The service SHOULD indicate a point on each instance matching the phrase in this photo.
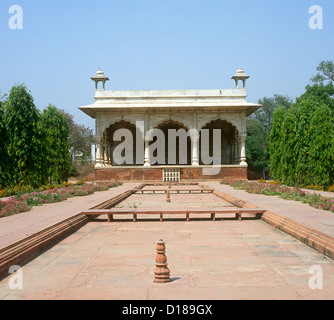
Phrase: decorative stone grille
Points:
(171, 175)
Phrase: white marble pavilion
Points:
(141, 111)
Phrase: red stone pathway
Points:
(18, 227)
(208, 260)
(319, 220)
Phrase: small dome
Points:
(240, 74)
(99, 75)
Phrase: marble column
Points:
(194, 135)
(105, 154)
(109, 154)
(243, 157)
(147, 159)
(147, 156)
(99, 160)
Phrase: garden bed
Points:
(49, 194)
(273, 188)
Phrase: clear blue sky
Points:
(160, 44)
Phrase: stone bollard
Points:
(162, 273)
(168, 197)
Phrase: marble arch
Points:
(210, 119)
(106, 122)
(180, 119)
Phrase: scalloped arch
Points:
(205, 122)
(161, 122)
(110, 123)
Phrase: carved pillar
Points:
(243, 157)
(147, 157)
(105, 154)
(109, 154)
(99, 160)
(194, 135)
(236, 159)
(195, 152)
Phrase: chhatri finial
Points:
(100, 77)
(240, 75)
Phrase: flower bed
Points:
(24, 203)
(275, 189)
(11, 207)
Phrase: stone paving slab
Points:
(208, 260)
(20, 226)
(178, 201)
(319, 220)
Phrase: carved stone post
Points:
(168, 196)
(162, 273)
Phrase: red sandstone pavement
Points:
(208, 260)
(319, 220)
(181, 200)
(18, 227)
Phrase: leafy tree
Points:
(2, 98)
(3, 148)
(323, 92)
(259, 126)
(25, 139)
(34, 146)
(302, 139)
(80, 137)
(325, 72)
(56, 152)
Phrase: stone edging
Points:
(314, 239)
(25, 250)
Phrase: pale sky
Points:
(160, 44)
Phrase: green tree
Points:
(325, 72)
(3, 148)
(325, 93)
(56, 152)
(25, 139)
(301, 143)
(259, 126)
(80, 137)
